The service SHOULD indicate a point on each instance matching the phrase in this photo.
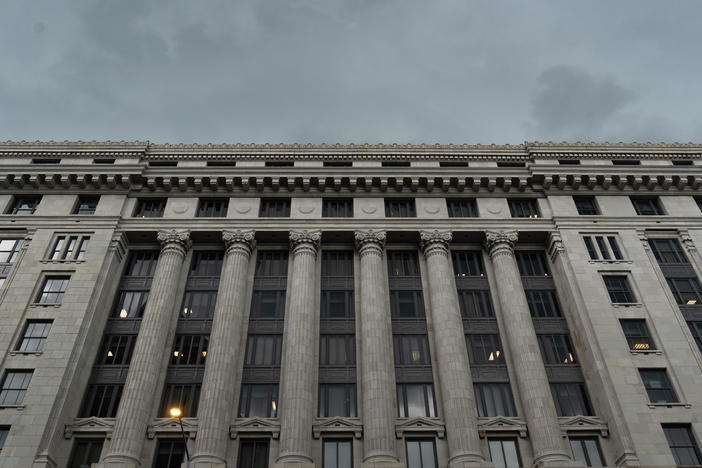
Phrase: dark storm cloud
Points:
(350, 71)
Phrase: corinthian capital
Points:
(174, 239)
(363, 238)
(241, 239)
(305, 238)
(497, 239)
(432, 240)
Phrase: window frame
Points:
(462, 207)
(421, 460)
(625, 294)
(107, 397)
(212, 207)
(669, 388)
(633, 340)
(90, 441)
(513, 440)
(271, 207)
(272, 397)
(603, 247)
(337, 207)
(42, 291)
(86, 205)
(396, 207)
(694, 445)
(592, 210)
(351, 400)
(21, 391)
(560, 404)
(18, 201)
(336, 441)
(153, 211)
(429, 403)
(172, 462)
(501, 389)
(582, 440)
(41, 338)
(654, 205)
(68, 247)
(480, 344)
(524, 208)
(246, 442)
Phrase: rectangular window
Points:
(9, 249)
(542, 303)
(569, 162)
(212, 207)
(14, 386)
(523, 207)
(272, 263)
(116, 350)
(337, 454)
(696, 330)
(494, 399)
(24, 205)
(53, 290)
(86, 452)
(169, 453)
(4, 432)
(682, 444)
(46, 161)
(682, 162)
(260, 400)
(267, 304)
(626, 162)
(69, 248)
(274, 208)
(420, 453)
(462, 207)
(668, 251)
(467, 263)
(395, 164)
(504, 453)
(163, 163)
(101, 401)
(556, 349)
(337, 304)
(337, 400)
(531, 263)
(619, 289)
(647, 206)
(586, 450)
(190, 350)
(637, 334)
(226, 163)
(34, 336)
(253, 453)
(698, 200)
(337, 208)
(411, 350)
(130, 304)
(198, 305)
(658, 386)
(603, 247)
(142, 263)
(103, 161)
(263, 350)
(571, 399)
(280, 163)
(400, 208)
(485, 349)
(183, 396)
(686, 290)
(586, 205)
(406, 304)
(150, 208)
(510, 164)
(416, 400)
(337, 350)
(207, 263)
(337, 263)
(86, 205)
(337, 163)
(453, 164)
(475, 303)
(402, 263)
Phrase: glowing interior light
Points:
(123, 313)
(497, 353)
(492, 357)
(692, 301)
(204, 353)
(415, 355)
(109, 353)
(176, 353)
(274, 406)
(641, 346)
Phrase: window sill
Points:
(37, 304)
(17, 407)
(645, 351)
(61, 261)
(627, 304)
(669, 405)
(26, 353)
(611, 262)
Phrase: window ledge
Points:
(26, 353)
(337, 425)
(170, 426)
(17, 407)
(646, 351)
(627, 304)
(411, 426)
(91, 426)
(255, 426)
(669, 405)
(37, 304)
(61, 261)
(613, 262)
(500, 425)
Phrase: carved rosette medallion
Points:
(305, 242)
(435, 242)
(370, 242)
(177, 241)
(498, 242)
(238, 241)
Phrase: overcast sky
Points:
(351, 71)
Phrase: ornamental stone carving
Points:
(173, 239)
(369, 239)
(497, 241)
(435, 241)
(305, 239)
(239, 239)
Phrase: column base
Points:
(203, 464)
(292, 464)
(382, 464)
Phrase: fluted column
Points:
(377, 369)
(540, 412)
(298, 384)
(220, 388)
(140, 392)
(456, 384)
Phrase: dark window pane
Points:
(504, 453)
(337, 400)
(475, 303)
(268, 304)
(337, 350)
(586, 205)
(485, 349)
(263, 350)
(101, 400)
(421, 453)
(682, 444)
(337, 263)
(406, 304)
(150, 208)
(272, 263)
(590, 248)
(34, 336)
(207, 263)
(647, 206)
(198, 305)
(668, 251)
(53, 290)
(189, 350)
(212, 207)
(116, 350)
(531, 263)
(130, 304)
(86, 205)
(619, 289)
(461, 207)
(467, 263)
(658, 386)
(85, 452)
(259, 400)
(586, 450)
(400, 208)
(337, 304)
(686, 290)
(24, 205)
(542, 303)
(637, 335)
(556, 349)
(337, 208)
(571, 399)
(170, 453)
(403, 263)
(416, 400)
(411, 350)
(523, 207)
(275, 208)
(696, 330)
(253, 454)
(183, 396)
(494, 399)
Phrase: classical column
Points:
(377, 367)
(220, 388)
(140, 392)
(298, 392)
(540, 412)
(456, 384)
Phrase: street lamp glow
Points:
(176, 412)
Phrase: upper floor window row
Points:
(668, 251)
(24, 204)
(86, 205)
(603, 247)
(523, 207)
(586, 206)
(647, 206)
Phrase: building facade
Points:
(375, 306)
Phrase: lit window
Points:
(485, 349)
(687, 291)
(184, 396)
(637, 335)
(556, 349)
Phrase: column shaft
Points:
(456, 384)
(136, 406)
(377, 368)
(540, 412)
(298, 383)
(220, 389)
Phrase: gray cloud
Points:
(333, 70)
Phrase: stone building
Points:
(375, 306)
